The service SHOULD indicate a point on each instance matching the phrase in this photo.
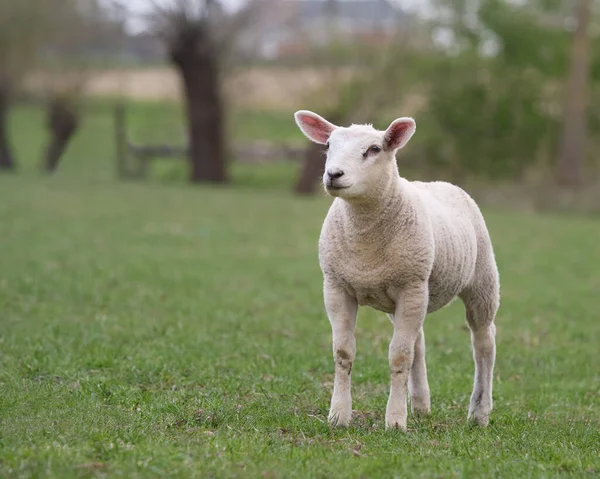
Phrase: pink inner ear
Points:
(315, 129)
(310, 121)
(397, 134)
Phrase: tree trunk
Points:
(62, 123)
(198, 64)
(572, 146)
(314, 163)
(6, 158)
(312, 169)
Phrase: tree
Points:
(26, 26)
(87, 27)
(572, 146)
(62, 122)
(22, 29)
(500, 68)
(6, 159)
(314, 162)
(371, 89)
(198, 35)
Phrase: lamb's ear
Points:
(315, 128)
(399, 132)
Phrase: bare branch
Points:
(231, 28)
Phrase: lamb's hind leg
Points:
(481, 305)
(418, 386)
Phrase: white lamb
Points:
(404, 248)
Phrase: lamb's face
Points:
(356, 159)
(359, 156)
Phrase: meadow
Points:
(158, 329)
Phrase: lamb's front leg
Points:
(411, 308)
(341, 309)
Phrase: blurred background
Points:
(505, 92)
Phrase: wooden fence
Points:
(134, 160)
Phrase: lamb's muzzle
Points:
(405, 248)
(332, 177)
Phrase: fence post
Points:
(121, 140)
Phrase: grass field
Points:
(160, 330)
(154, 331)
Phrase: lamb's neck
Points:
(382, 214)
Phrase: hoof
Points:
(420, 407)
(480, 419)
(395, 421)
(339, 418)
(421, 412)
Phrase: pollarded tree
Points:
(198, 35)
(23, 29)
(6, 159)
(79, 27)
(27, 27)
(572, 147)
(366, 93)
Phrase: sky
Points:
(136, 7)
(141, 4)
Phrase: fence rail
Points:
(133, 160)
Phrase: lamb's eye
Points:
(372, 150)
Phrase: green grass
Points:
(155, 331)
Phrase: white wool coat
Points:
(422, 231)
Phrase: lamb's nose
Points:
(335, 174)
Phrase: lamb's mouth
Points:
(336, 188)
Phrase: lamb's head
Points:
(359, 158)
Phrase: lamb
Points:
(406, 248)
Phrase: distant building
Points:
(292, 27)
